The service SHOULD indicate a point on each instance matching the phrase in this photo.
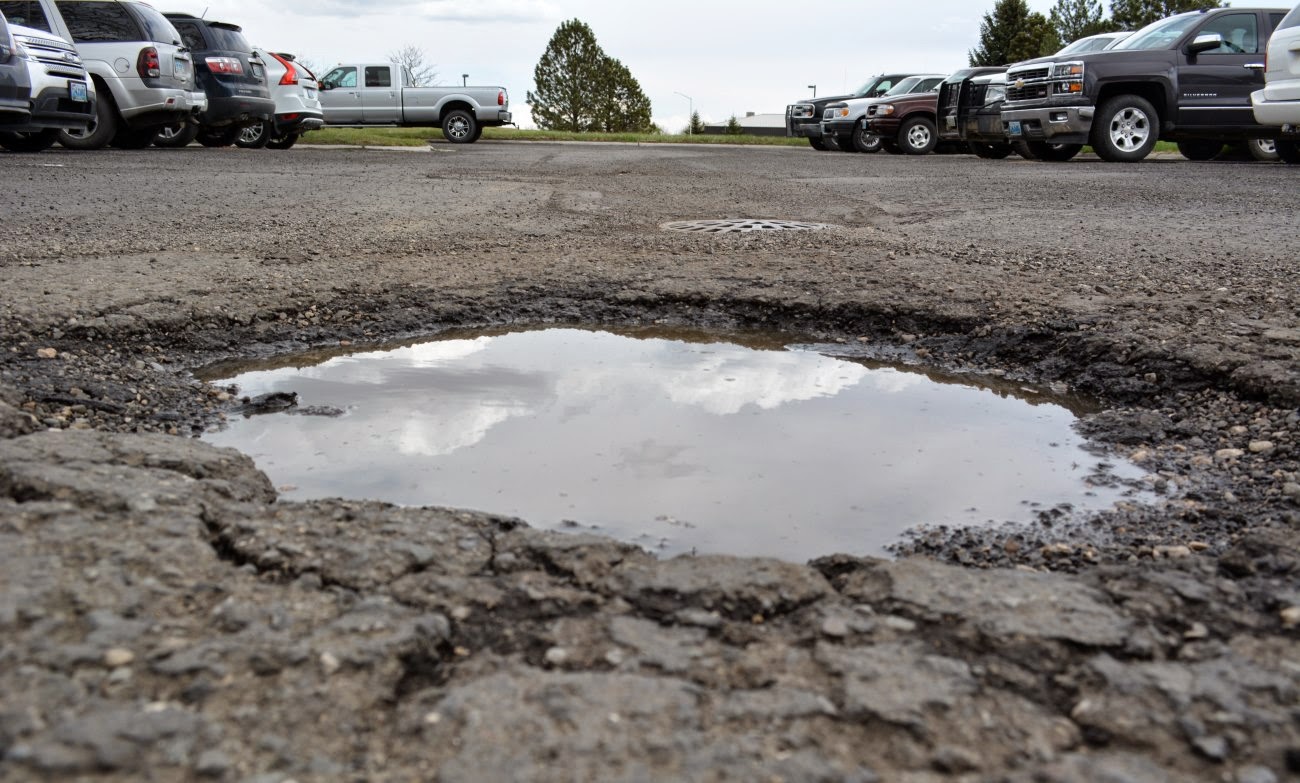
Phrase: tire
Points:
(891, 146)
(134, 138)
(255, 136)
(1125, 129)
(178, 134)
(1288, 151)
(102, 128)
(816, 143)
(458, 127)
(1058, 153)
(1200, 149)
(283, 142)
(918, 136)
(990, 151)
(218, 137)
(478, 134)
(1262, 150)
(35, 141)
(865, 141)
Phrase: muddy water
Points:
(677, 444)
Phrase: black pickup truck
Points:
(805, 117)
(970, 110)
(1186, 78)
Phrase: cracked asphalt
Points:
(164, 616)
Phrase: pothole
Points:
(680, 443)
(743, 226)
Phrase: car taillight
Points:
(290, 73)
(501, 98)
(225, 65)
(148, 64)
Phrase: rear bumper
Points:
(298, 122)
(162, 106)
(236, 110)
(495, 119)
(1274, 112)
(1058, 124)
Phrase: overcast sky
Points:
(730, 57)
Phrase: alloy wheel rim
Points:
(251, 134)
(918, 137)
(1130, 129)
(459, 128)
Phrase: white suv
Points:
(297, 104)
(1279, 102)
(142, 72)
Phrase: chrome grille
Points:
(53, 54)
(1029, 74)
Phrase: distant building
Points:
(752, 124)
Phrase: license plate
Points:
(1013, 128)
(77, 92)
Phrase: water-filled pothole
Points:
(676, 444)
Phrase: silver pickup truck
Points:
(373, 94)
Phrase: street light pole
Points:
(691, 102)
(464, 80)
(813, 87)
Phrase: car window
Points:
(1159, 35)
(1240, 33)
(28, 14)
(929, 85)
(1290, 20)
(192, 35)
(904, 86)
(379, 76)
(98, 22)
(228, 37)
(340, 77)
(157, 27)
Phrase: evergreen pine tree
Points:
(734, 127)
(1135, 14)
(1036, 38)
(998, 30)
(697, 125)
(568, 80)
(1075, 19)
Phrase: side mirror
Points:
(1204, 42)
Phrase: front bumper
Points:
(809, 128)
(1274, 112)
(53, 108)
(884, 127)
(838, 127)
(1057, 124)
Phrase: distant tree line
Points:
(1011, 32)
(579, 88)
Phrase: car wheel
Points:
(1059, 153)
(283, 142)
(100, 131)
(1264, 150)
(1288, 151)
(918, 136)
(134, 138)
(990, 151)
(218, 137)
(1199, 149)
(1125, 129)
(891, 146)
(35, 141)
(866, 141)
(816, 143)
(177, 134)
(458, 127)
(255, 136)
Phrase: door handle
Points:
(1254, 66)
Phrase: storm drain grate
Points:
(743, 226)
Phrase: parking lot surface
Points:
(164, 616)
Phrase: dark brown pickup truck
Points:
(906, 124)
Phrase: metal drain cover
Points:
(743, 226)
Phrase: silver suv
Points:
(15, 84)
(62, 97)
(142, 72)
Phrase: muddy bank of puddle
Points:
(677, 442)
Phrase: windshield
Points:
(905, 87)
(156, 26)
(1160, 35)
(1089, 44)
(228, 37)
(868, 86)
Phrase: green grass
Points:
(418, 137)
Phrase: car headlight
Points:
(884, 110)
(1068, 71)
(995, 93)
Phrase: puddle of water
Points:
(674, 444)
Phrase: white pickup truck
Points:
(373, 94)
